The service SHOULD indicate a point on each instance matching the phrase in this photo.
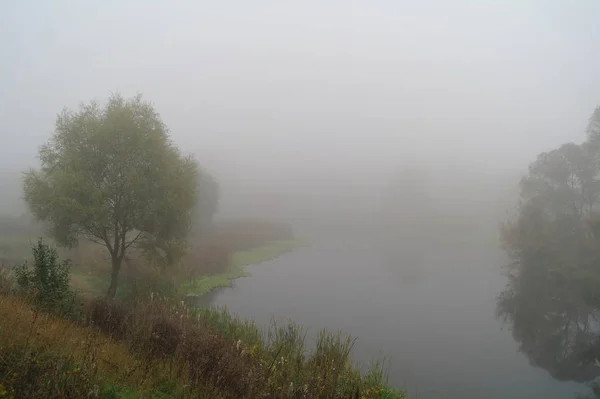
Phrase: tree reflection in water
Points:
(553, 324)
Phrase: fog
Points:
(327, 115)
(276, 96)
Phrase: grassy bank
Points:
(238, 260)
(152, 345)
(44, 356)
(162, 349)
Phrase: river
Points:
(435, 320)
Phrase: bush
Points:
(46, 284)
(108, 316)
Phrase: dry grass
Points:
(204, 352)
(29, 328)
(106, 359)
(211, 347)
(168, 335)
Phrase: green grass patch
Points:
(238, 261)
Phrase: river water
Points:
(432, 314)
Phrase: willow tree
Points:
(112, 176)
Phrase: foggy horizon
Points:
(363, 86)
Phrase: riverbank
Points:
(238, 261)
(93, 284)
(112, 352)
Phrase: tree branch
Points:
(131, 242)
(93, 238)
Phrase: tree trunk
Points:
(114, 277)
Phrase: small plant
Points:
(46, 284)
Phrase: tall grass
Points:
(157, 346)
(46, 356)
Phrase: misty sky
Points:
(365, 85)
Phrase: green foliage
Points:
(111, 175)
(46, 284)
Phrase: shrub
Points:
(108, 316)
(46, 284)
(164, 338)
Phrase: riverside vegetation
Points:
(56, 344)
(135, 217)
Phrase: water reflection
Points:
(554, 324)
